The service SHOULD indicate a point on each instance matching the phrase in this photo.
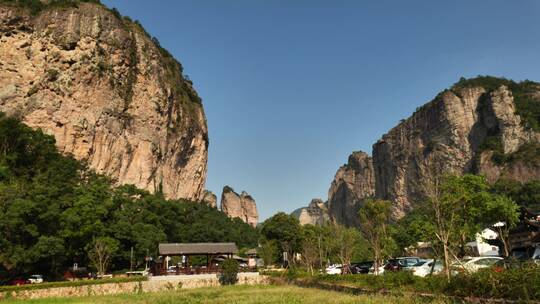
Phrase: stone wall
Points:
(154, 284)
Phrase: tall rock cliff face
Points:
(109, 94)
(353, 183)
(316, 213)
(242, 206)
(455, 133)
(486, 125)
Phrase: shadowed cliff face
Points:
(109, 94)
(468, 129)
(353, 183)
(448, 135)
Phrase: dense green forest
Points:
(53, 208)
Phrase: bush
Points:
(521, 283)
(229, 272)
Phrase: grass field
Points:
(232, 294)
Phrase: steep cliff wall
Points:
(353, 183)
(485, 125)
(458, 132)
(108, 92)
(241, 205)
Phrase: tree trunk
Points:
(446, 261)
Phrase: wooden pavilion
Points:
(187, 250)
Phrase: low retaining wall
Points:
(154, 284)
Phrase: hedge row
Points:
(521, 283)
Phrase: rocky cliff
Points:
(209, 198)
(352, 184)
(474, 127)
(242, 206)
(107, 91)
(484, 125)
(316, 213)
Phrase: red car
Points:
(18, 282)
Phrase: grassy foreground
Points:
(233, 294)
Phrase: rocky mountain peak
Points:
(107, 91)
(209, 198)
(242, 206)
(353, 183)
(316, 213)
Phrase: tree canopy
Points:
(53, 208)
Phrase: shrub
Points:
(229, 272)
(521, 283)
(527, 104)
(52, 75)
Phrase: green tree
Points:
(414, 227)
(502, 214)
(374, 221)
(285, 230)
(269, 252)
(459, 207)
(524, 194)
(316, 246)
(101, 252)
(53, 207)
(344, 242)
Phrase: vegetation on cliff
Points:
(53, 209)
(37, 6)
(525, 95)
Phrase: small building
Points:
(525, 238)
(252, 258)
(212, 252)
(484, 244)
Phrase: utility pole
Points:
(147, 258)
(131, 260)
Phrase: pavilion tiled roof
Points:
(197, 248)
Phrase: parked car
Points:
(472, 265)
(334, 269)
(35, 279)
(428, 267)
(18, 282)
(401, 263)
(408, 262)
(362, 267)
(393, 265)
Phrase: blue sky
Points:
(291, 88)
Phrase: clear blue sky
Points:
(292, 87)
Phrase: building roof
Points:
(197, 248)
(252, 251)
